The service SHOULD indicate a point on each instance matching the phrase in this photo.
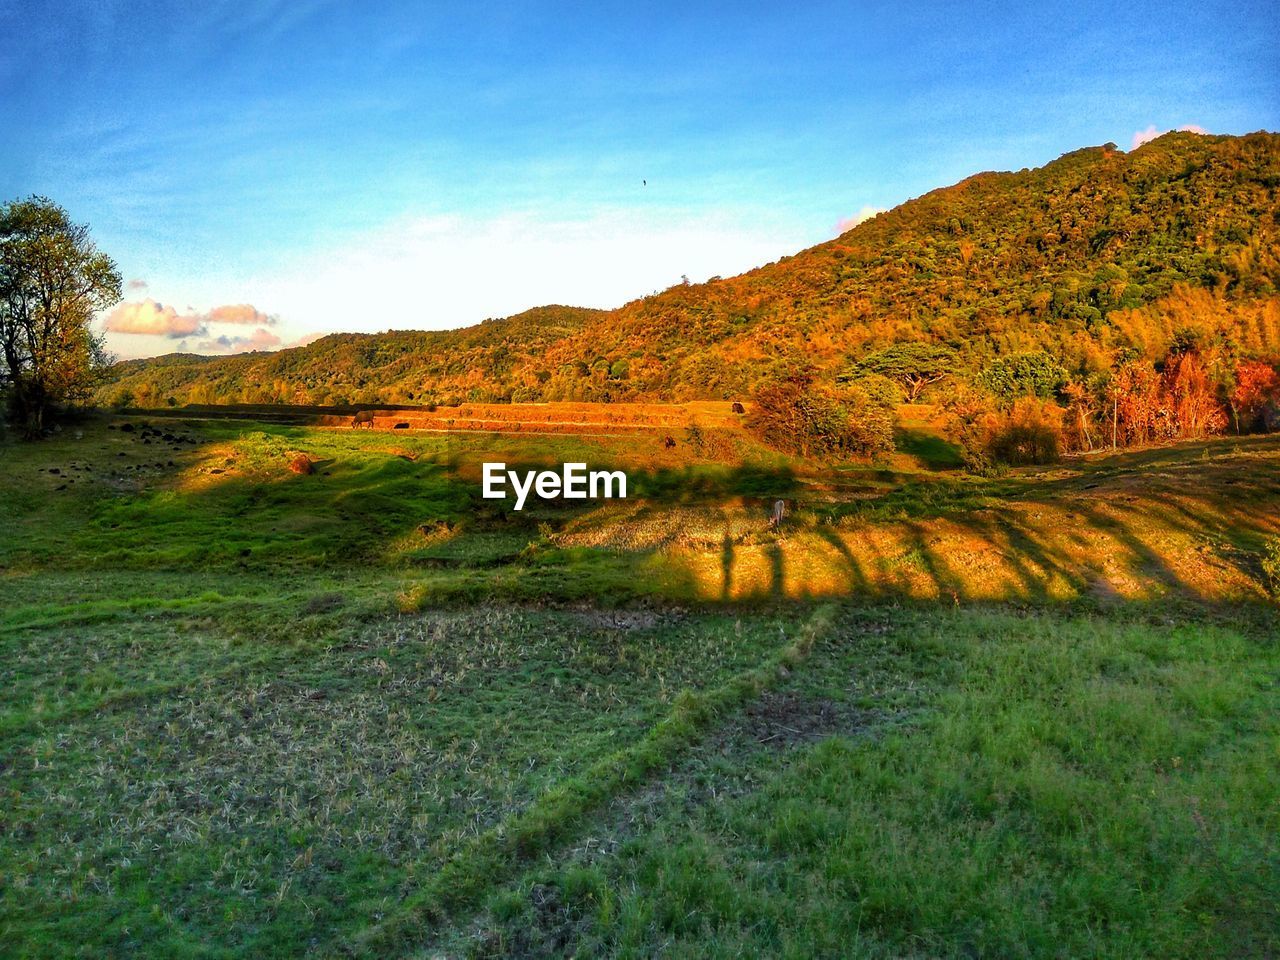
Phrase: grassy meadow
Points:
(360, 711)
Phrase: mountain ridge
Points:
(1096, 251)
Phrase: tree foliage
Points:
(1033, 374)
(799, 414)
(912, 366)
(52, 281)
(1256, 389)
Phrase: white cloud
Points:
(244, 313)
(150, 317)
(136, 285)
(1146, 136)
(863, 215)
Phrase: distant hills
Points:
(1097, 253)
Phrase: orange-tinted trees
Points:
(1191, 409)
(1257, 386)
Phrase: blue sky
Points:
(338, 166)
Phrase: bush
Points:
(798, 415)
(1021, 444)
(1256, 388)
(990, 439)
(1030, 433)
(1271, 565)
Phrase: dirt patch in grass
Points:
(786, 719)
(551, 929)
(322, 603)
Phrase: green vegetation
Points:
(912, 366)
(1024, 375)
(404, 366)
(1093, 257)
(795, 414)
(248, 711)
(52, 281)
(950, 783)
(1271, 565)
(1133, 296)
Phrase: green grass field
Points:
(362, 712)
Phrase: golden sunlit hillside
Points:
(1097, 253)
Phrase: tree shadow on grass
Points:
(935, 452)
(363, 507)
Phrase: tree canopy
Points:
(913, 366)
(1029, 374)
(52, 281)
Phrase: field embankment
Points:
(592, 418)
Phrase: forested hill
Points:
(1098, 253)
(398, 366)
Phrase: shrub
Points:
(799, 415)
(1192, 409)
(1257, 386)
(1019, 444)
(1029, 433)
(990, 439)
(1271, 565)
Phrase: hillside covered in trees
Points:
(1078, 268)
(398, 366)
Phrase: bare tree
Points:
(52, 281)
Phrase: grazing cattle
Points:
(739, 408)
(363, 418)
(669, 442)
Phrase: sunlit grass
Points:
(246, 711)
